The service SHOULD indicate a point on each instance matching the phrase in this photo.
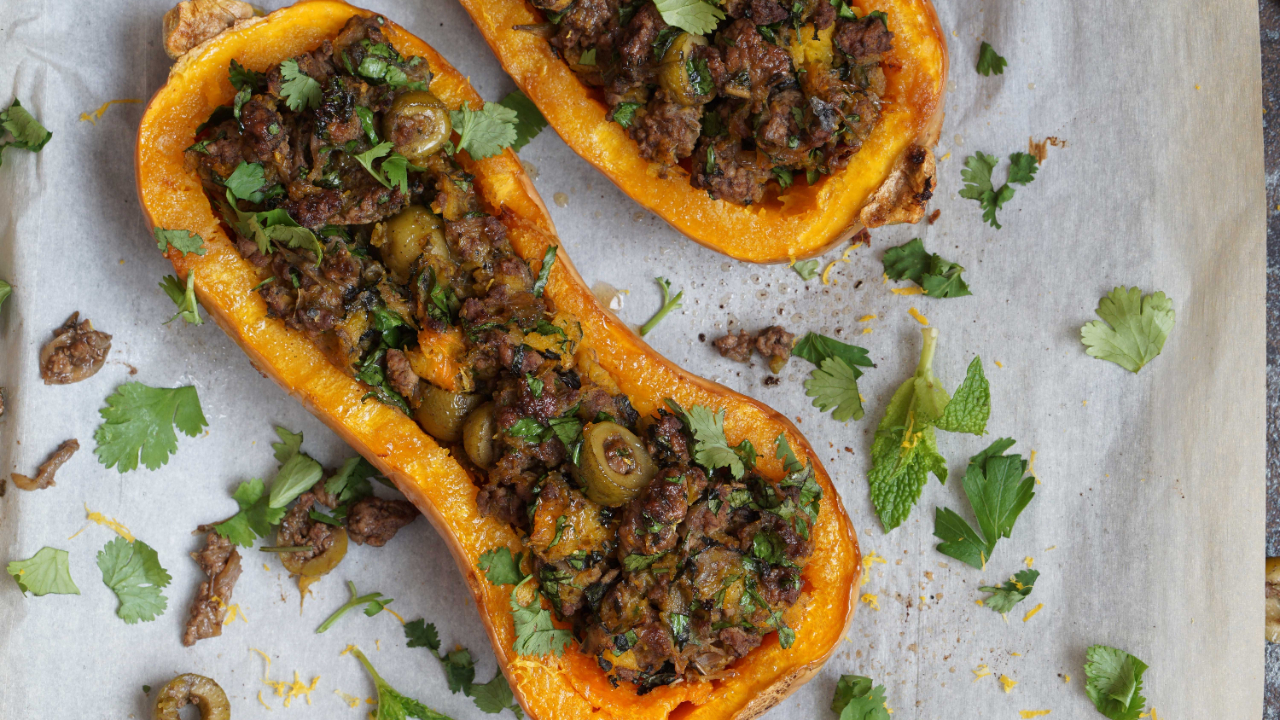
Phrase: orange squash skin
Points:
(805, 221)
(571, 687)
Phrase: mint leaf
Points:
(139, 422)
(26, 131)
(47, 572)
(970, 407)
(133, 572)
(1133, 329)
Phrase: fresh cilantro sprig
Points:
(693, 16)
(132, 570)
(270, 226)
(185, 241)
(184, 296)
(711, 449)
(1133, 328)
(529, 120)
(535, 633)
(24, 130)
(348, 485)
(299, 90)
(261, 510)
(486, 132)
(905, 449)
(939, 278)
(856, 699)
(47, 572)
(998, 493)
(139, 421)
(460, 671)
(989, 61)
(242, 77)
(246, 181)
(669, 303)
(1012, 592)
(1113, 681)
(255, 518)
(394, 171)
(391, 704)
(978, 186)
(806, 269)
(833, 383)
(500, 567)
(373, 601)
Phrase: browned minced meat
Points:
(736, 347)
(76, 352)
(773, 343)
(863, 38)
(297, 529)
(666, 132)
(220, 561)
(44, 476)
(400, 374)
(727, 172)
(374, 521)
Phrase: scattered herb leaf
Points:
(1133, 328)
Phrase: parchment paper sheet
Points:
(1152, 485)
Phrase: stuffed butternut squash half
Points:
(640, 542)
(767, 130)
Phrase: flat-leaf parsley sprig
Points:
(978, 185)
(998, 492)
(834, 380)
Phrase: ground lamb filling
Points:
(780, 90)
(666, 567)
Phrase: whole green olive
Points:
(321, 564)
(191, 689)
(477, 435)
(406, 236)
(615, 466)
(673, 71)
(418, 125)
(442, 412)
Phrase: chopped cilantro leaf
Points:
(132, 570)
(500, 567)
(535, 633)
(184, 240)
(1113, 681)
(1012, 592)
(255, 518)
(495, 696)
(46, 572)
(636, 563)
(5, 291)
(529, 121)
(1133, 328)
(693, 16)
(588, 58)
(246, 182)
(856, 699)
(710, 449)
(625, 113)
(420, 633)
(242, 77)
(834, 385)
(299, 90)
(544, 273)
(978, 186)
(139, 421)
(668, 304)
(989, 61)
(298, 472)
(806, 269)
(26, 131)
(486, 132)
(184, 296)
(998, 493)
(940, 278)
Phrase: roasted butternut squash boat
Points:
(640, 542)
(767, 130)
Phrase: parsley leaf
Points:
(184, 240)
(1012, 592)
(495, 696)
(139, 420)
(1113, 681)
(391, 704)
(998, 493)
(500, 567)
(636, 563)
(299, 90)
(46, 572)
(1133, 328)
(815, 348)
(132, 570)
(26, 131)
(535, 633)
(255, 518)
(977, 178)
(856, 699)
(835, 385)
(5, 291)
(420, 633)
(529, 121)
(184, 296)
(693, 16)
(242, 77)
(486, 132)
(460, 670)
(246, 182)
(668, 304)
(806, 269)
(374, 600)
(989, 61)
(544, 273)
(939, 278)
(710, 449)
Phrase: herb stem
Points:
(285, 548)
(925, 368)
(354, 602)
(668, 304)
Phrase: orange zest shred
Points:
(1000, 365)
(397, 615)
(264, 702)
(827, 272)
(1008, 683)
(1032, 612)
(295, 689)
(111, 523)
(913, 290)
(350, 700)
(919, 318)
(866, 318)
(981, 672)
(867, 331)
(93, 117)
(233, 612)
(872, 600)
(348, 649)
(1032, 713)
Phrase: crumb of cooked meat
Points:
(773, 343)
(374, 521)
(220, 561)
(44, 475)
(75, 353)
(933, 216)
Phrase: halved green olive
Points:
(408, 234)
(418, 125)
(477, 435)
(673, 72)
(191, 689)
(615, 465)
(442, 412)
(322, 564)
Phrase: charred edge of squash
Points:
(172, 196)
(805, 222)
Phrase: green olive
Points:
(477, 435)
(673, 72)
(406, 236)
(191, 689)
(418, 124)
(319, 565)
(442, 412)
(615, 465)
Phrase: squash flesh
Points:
(572, 686)
(802, 222)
